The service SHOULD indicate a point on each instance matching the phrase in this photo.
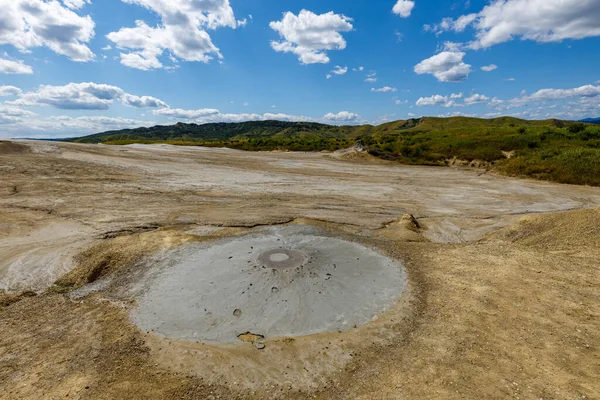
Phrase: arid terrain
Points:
(502, 294)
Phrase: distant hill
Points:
(216, 132)
(591, 121)
(560, 151)
(212, 132)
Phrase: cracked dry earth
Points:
(501, 297)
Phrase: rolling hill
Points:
(215, 132)
(212, 132)
(595, 121)
(561, 151)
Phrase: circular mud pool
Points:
(284, 281)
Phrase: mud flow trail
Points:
(154, 271)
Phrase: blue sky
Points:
(74, 67)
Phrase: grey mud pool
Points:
(281, 281)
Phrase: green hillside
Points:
(214, 132)
(561, 151)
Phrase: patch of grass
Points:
(579, 166)
(61, 288)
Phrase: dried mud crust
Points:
(107, 340)
(516, 315)
(486, 320)
(300, 364)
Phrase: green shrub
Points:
(576, 128)
(572, 165)
(589, 133)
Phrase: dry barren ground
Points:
(503, 276)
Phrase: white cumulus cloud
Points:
(439, 100)
(404, 8)
(13, 115)
(455, 114)
(372, 77)
(210, 115)
(182, 32)
(339, 70)
(587, 91)
(8, 66)
(76, 4)
(67, 126)
(476, 99)
(179, 113)
(384, 89)
(538, 20)
(26, 24)
(447, 66)
(495, 102)
(489, 68)
(84, 96)
(342, 116)
(93, 123)
(9, 91)
(309, 36)
(142, 101)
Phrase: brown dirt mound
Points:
(405, 229)
(10, 148)
(361, 156)
(557, 231)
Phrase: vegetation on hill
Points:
(560, 151)
(214, 132)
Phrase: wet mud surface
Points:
(213, 292)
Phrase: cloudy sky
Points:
(73, 67)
